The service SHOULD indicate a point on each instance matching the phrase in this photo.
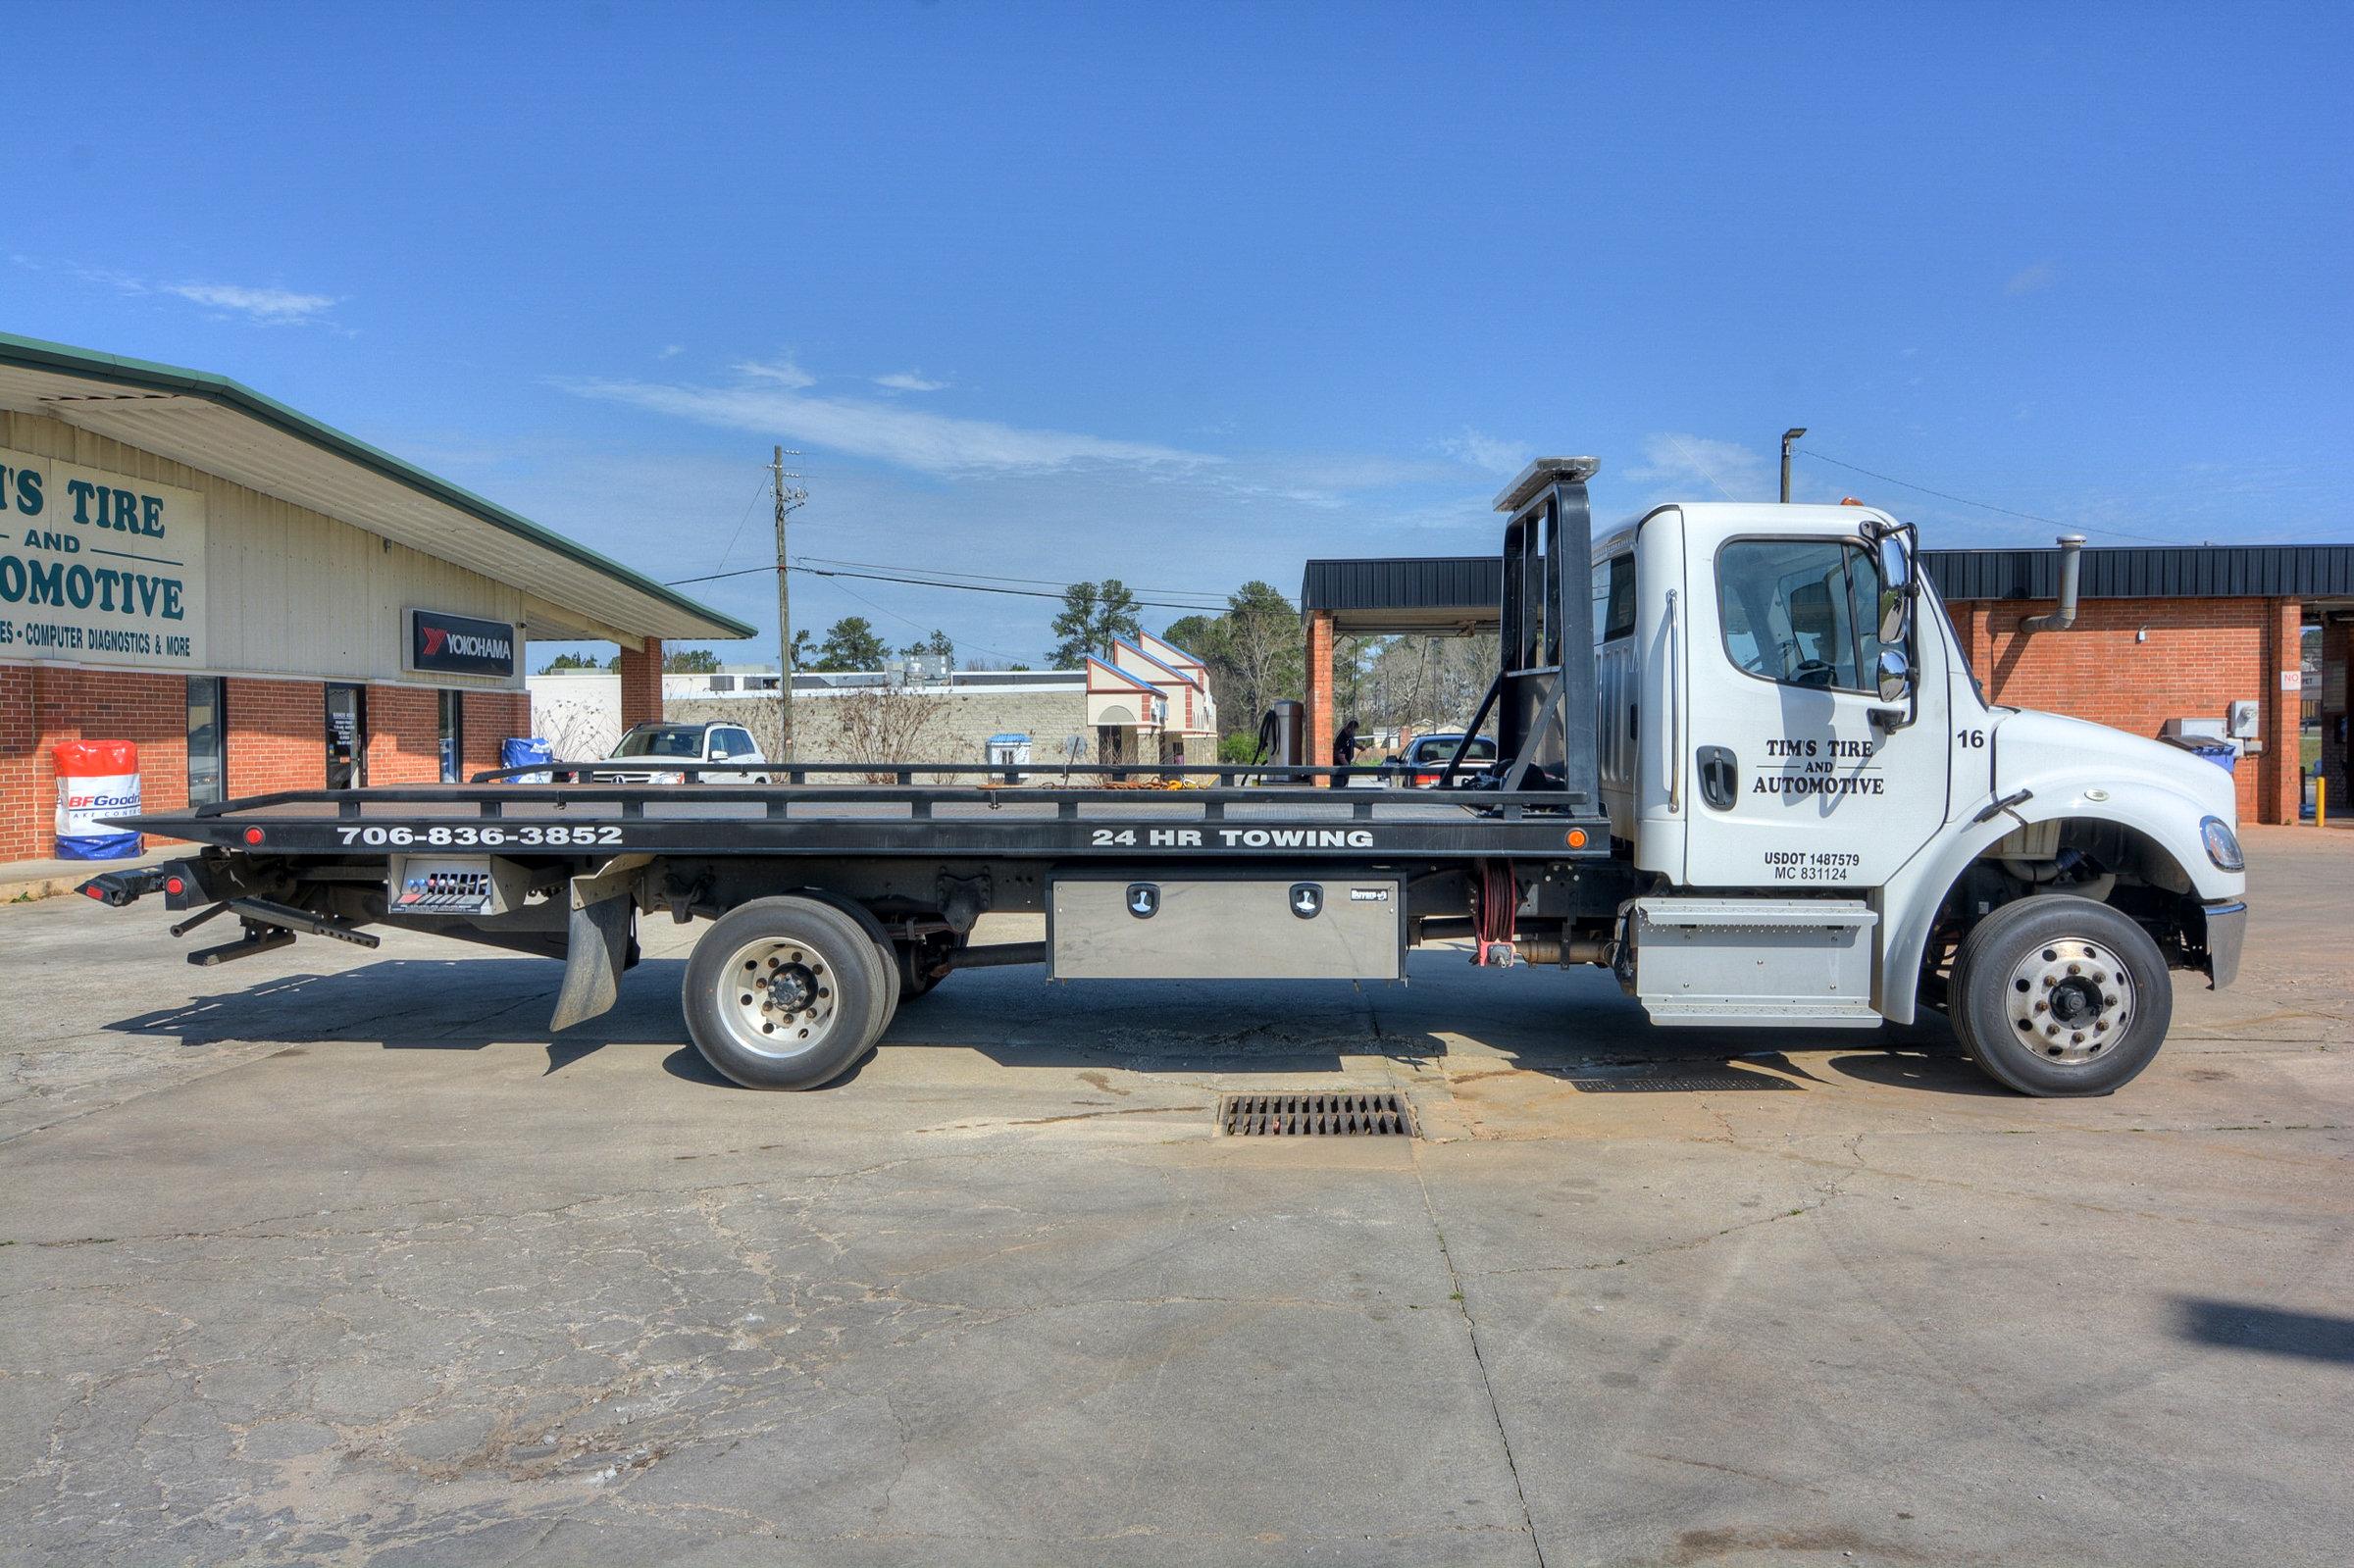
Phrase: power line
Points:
(758, 491)
(991, 577)
(928, 582)
(919, 626)
(1984, 506)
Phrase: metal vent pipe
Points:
(2071, 573)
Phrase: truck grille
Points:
(1351, 1114)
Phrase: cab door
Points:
(1798, 776)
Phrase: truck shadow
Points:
(1574, 1025)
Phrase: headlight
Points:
(2222, 847)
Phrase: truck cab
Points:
(1791, 746)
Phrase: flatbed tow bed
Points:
(864, 894)
(848, 887)
(944, 820)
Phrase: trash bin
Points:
(96, 779)
(2222, 753)
(527, 751)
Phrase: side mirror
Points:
(1895, 675)
(1896, 587)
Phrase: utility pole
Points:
(1789, 436)
(789, 499)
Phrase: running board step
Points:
(1754, 962)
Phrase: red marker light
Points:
(174, 886)
(253, 835)
(93, 892)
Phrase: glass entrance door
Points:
(347, 737)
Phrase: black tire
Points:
(806, 952)
(864, 919)
(2054, 995)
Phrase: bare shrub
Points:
(889, 726)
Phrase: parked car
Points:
(645, 743)
(1424, 760)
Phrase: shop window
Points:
(208, 741)
(453, 726)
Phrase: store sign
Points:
(460, 644)
(98, 568)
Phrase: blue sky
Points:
(1186, 296)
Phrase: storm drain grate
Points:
(1328, 1115)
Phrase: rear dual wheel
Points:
(788, 993)
(2057, 995)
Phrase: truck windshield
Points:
(661, 740)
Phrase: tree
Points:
(1263, 648)
(569, 661)
(689, 661)
(1253, 651)
(805, 648)
(852, 645)
(1424, 684)
(1201, 635)
(937, 644)
(1092, 614)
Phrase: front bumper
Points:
(2226, 928)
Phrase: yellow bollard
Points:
(2321, 801)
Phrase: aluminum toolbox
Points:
(1255, 923)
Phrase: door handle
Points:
(1720, 777)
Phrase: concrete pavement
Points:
(332, 1256)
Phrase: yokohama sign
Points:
(460, 644)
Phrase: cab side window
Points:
(1800, 612)
(1614, 599)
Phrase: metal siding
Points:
(289, 591)
(1475, 583)
(1441, 582)
(2170, 572)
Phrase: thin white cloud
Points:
(933, 443)
(1678, 466)
(1485, 451)
(780, 370)
(2032, 280)
(671, 351)
(271, 307)
(909, 381)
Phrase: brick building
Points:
(2171, 632)
(2166, 632)
(261, 602)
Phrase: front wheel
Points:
(786, 993)
(2057, 995)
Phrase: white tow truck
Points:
(1738, 759)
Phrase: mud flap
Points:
(598, 943)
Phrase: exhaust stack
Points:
(2072, 571)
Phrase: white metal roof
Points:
(226, 429)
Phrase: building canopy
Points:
(226, 429)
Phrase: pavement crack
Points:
(1463, 1303)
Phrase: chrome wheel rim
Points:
(2070, 1002)
(779, 997)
